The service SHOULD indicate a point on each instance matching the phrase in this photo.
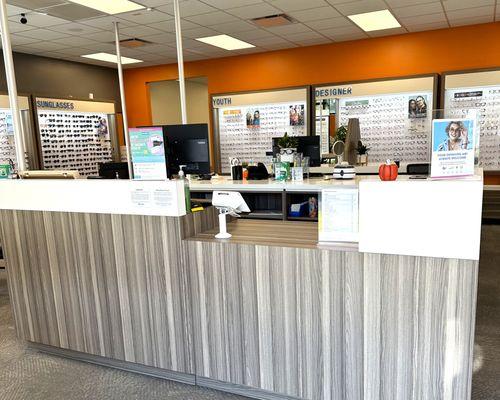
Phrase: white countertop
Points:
(307, 185)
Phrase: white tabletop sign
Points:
(339, 215)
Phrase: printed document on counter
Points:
(338, 215)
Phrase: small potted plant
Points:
(362, 151)
(340, 134)
(288, 147)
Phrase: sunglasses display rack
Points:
(76, 141)
(483, 103)
(246, 132)
(7, 144)
(391, 125)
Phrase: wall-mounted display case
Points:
(246, 123)
(76, 135)
(476, 94)
(395, 115)
(7, 142)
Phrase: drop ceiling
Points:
(64, 30)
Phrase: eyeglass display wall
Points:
(477, 94)
(395, 116)
(73, 138)
(246, 123)
(7, 142)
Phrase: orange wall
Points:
(468, 47)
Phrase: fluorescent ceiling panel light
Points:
(375, 21)
(111, 58)
(110, 6)
(225, 42)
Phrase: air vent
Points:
(133, 43)
(273, 20)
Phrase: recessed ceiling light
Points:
(375, 21)
(111, 58)
(225, 42)
(110, 6)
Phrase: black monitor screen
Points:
(187, 145)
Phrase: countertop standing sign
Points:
(453, 144)
(148, 153)
(338, 215)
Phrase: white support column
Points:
(180, 60)
(12, 88)
(122, 97)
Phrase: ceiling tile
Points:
(280, 46)
(427, 27)
(74, 12)
(333, 33)
(14, 10)
(145, 17)
(420, 9)
(106, 23)
(76, 51)
(214, 18)
(404, 3)
(199, 32)
(253, 34)
(387, 32)
(75, 41)
(36, 4)
(269, 41)
(471, 20)
(162, 38)
(295, 37)
(423, 19)
(471, 12)
(313, 42)
(139, 31)
(235, 26)
(195, 7)
(159, 49)
(289, 29)
(154, 3)
(297, 5)
(361, 6)
(17, 40)
(15, 27)
(169, 26)
(75, 29)
(350, 36)
(450, 5)
(224, 4)
(40, 20)
(329, 23)
(315, 14)
(42, 34)
(254, 11)
(106, 36)
(42, 46)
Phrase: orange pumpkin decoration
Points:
(388, 171)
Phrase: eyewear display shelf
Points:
(76, 141)
(7, 145)
(395, 115)
(246, 123)
(476, 95)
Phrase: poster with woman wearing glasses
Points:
(417, 106)
(452, 148)
(296, 115)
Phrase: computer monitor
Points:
(114, 170)
(307, 145)
(187, 145)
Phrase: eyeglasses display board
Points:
(395, 126)
(248, 122)
(483, 103)
(76, 141)
(7, 144)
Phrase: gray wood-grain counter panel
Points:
(302, 322)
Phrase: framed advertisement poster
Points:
(453, 144)
(147, 150)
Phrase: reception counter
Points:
(271, 313)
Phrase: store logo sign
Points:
(221, 101)
(61, 105)
(334, 91)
